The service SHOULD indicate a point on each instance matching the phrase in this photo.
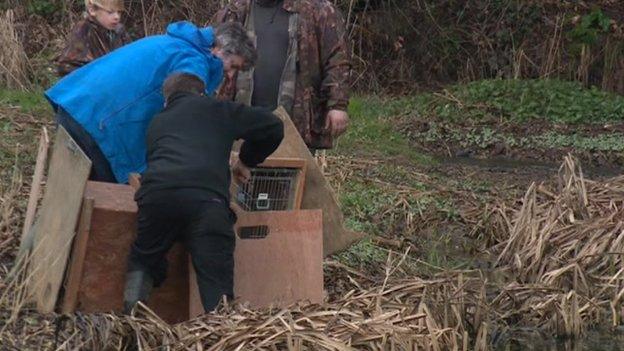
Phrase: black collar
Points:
(175, 97)
(268, 3)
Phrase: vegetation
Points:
(31, 102)
(372, 129)
(384, 194)
(605, 142)
(522, 119)
(525, 100)
(387, 172)
(404, 45)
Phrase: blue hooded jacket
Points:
(115, 97)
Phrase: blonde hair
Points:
(109, 5)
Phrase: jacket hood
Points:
(202, 38)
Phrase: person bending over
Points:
(184, 193)
(106, 106)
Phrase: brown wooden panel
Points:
(112, 231)
(110, 196)
(317, 194)
(286, 162)
(35, 186)
(76, 262)
(284, 267)
(67, 175)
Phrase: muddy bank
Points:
(537, 144)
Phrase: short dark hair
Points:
(182, 83)
(233, 39)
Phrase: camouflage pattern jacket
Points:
(317, 70)
(88, 41)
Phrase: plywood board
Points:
(67, 175)
(79, 250)
(35, 186)
(317, 194)
(284, 267)
(111, 234)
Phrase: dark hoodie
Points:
(189, 146)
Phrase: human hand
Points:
(337, 122)
(241, 173)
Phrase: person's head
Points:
(182, 83)
(234, 47)
(106, 12)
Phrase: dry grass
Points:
(14, 66)
(558, 269)
(397, 314)
(562, 251)
(9, 220)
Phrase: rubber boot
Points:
(138, 288)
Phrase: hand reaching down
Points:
(337, 122)
(241, 173)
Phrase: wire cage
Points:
(275, 185)
(269, 189)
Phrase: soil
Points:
(446, 146)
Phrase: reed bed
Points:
(14, 64)
(560, 250)
(396, 314)
(556, 268)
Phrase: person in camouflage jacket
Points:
(90, 38)
(315, 82)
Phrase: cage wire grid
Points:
(269, 189)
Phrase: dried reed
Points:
(14, 65)
(559, 269)
(567, 243)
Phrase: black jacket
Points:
(190, 141)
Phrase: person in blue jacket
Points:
(107, 105)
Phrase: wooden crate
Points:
(284, 267)
(97, 270)
(278, 268)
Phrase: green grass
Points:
(380, 210)
(372, 130)
(523, 100)
(364, 255)
(19, 138)
(484, 137)
(456, 114)
(377, 208)
(363, 204)
(605, 142)
(28, 102)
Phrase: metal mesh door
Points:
(269, 189)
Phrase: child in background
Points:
(98, 34)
